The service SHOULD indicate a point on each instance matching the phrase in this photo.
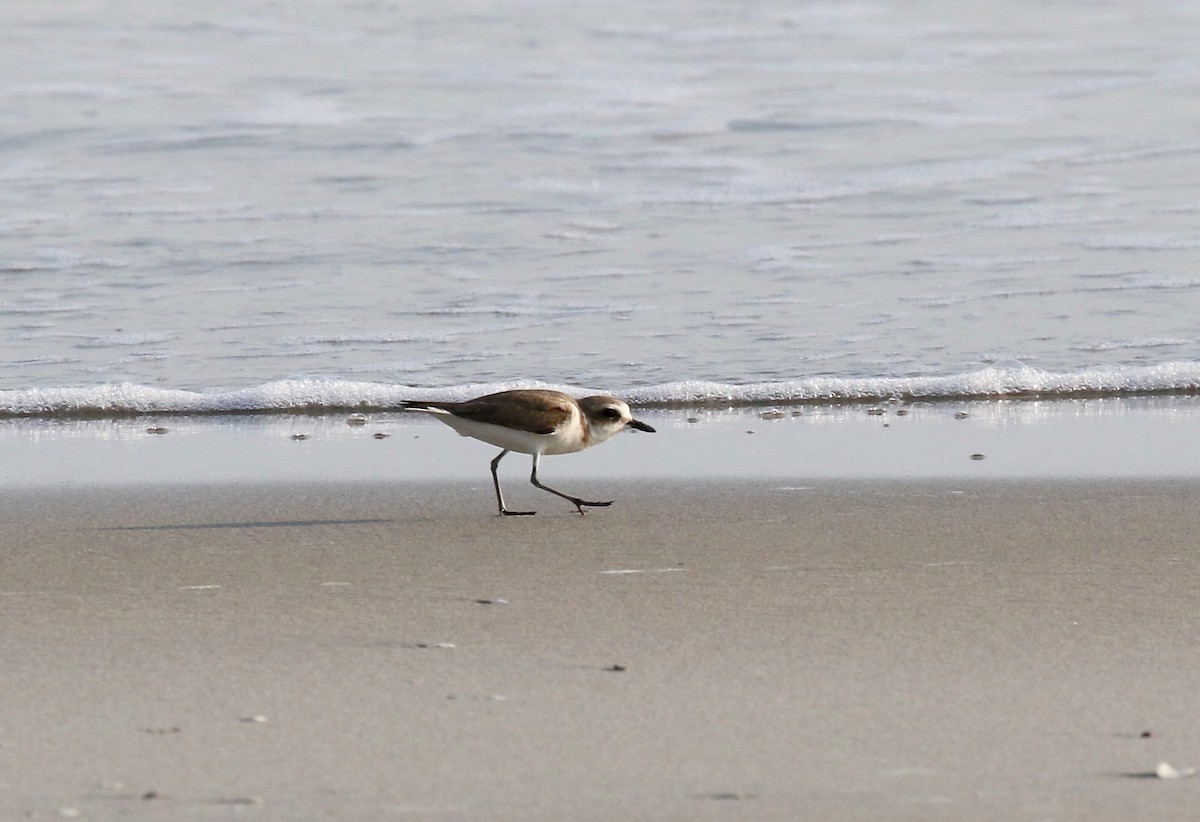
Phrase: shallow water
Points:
(638, 198)
(1067, 440)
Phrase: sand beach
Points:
(735, 649)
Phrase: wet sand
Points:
(942, 650)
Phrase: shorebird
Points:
(537, 422)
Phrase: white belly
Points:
(523, 442)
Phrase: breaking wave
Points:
(317, 396)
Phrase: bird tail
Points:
(423, 405)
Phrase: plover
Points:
(537, 422)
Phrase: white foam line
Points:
(326, 394)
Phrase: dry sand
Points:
(741, 650)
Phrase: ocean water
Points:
(221, 206)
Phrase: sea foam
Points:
(316, 396)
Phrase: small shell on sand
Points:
(1166, 771)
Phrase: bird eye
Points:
(612, 413)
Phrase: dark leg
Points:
(576, 501)
(499, 496)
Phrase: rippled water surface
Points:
(638, 197)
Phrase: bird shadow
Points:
(201, 526)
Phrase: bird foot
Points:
(579, 503)
(508, 513)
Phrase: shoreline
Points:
(842, 650)
(1097, 439)
(319, 396)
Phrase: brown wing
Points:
(533, 410)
